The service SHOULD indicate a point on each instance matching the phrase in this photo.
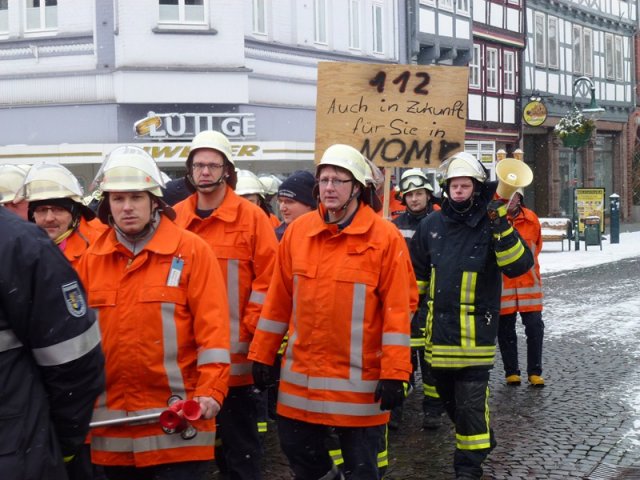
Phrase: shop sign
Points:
(534, 113)
(185, 126)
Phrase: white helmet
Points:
(11, 180)
(414, 179)
(46, 181)
(270, 184)
(347, 157)
(248, 183)
(462, 164)
(130, 169)
(214, 141)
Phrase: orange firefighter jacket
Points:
(164, 330)
(79, 241)
(243, 239)
(524, 293)
(345, 299)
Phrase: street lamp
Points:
(593, 111)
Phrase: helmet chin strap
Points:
(215, 184)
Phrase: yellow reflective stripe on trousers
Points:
(152, 443)
(336, 456)
(422, 286)
(383, 456)
(429, 391)
(467, 308)
(479, 441)
(507, 257)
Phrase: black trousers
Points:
(431, 404)
(508, 341)
(169, 471)
(305, 446)
(465, 396)
(238, 431)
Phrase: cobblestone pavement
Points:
(583, 419)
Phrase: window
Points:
(462, 7)
(552, 41)
(446, 5)
(260, 17)
(42, 14)
(577, 49)
(378, 29)
(354, 24)
(492, 69)
(509, 72)
(474, 68)
(587, 47)
(618, 51)
(4, 16)
(608, 56)
(320, 10)
(540, 39)
(182, 11)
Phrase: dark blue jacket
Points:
(51, 363)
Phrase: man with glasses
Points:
(55, 204)
(417, 196)
(243, 239)
(334, 290)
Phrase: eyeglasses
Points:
(198, 167)
(324, 182)
(43, 210)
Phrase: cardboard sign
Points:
(396, 115)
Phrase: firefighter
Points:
(295, 198)
(270, 185)
(252, 189)
(417, 196)
(163, 316)
(55, 204)
(334, 290)
(523, 295)
(51, 363)
(244, 241)
(461, 251)
(11, 180)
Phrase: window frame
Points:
(466, 11)
(576, 49)
(354, 30)
(446, 5)
(618, 57)
(475, 65)
(377, 44)
(555, 48)
(540, 41)
(257, 6)
(587, 51)
(4, 12)
(320, 31)
(509, 75)
(609, 61)
(492, 72)
(182, 20)
(42, 16)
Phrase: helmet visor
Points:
(413, 183)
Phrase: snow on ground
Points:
(553, 259)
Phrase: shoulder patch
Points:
(73, 298)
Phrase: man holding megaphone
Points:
(461, 253)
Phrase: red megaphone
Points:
(174, 419)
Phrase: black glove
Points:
(391, 393)
(264, 376)
(497, 211)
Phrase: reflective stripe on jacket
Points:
(345, 297)
(524, 293)
(462, 261)
(243, 239)
(165, 332)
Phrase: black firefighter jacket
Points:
(459, 261)
(51, 363)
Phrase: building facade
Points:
(79, 77)
(569, 40)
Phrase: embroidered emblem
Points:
(76, 304)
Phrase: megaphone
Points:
(512, 174)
